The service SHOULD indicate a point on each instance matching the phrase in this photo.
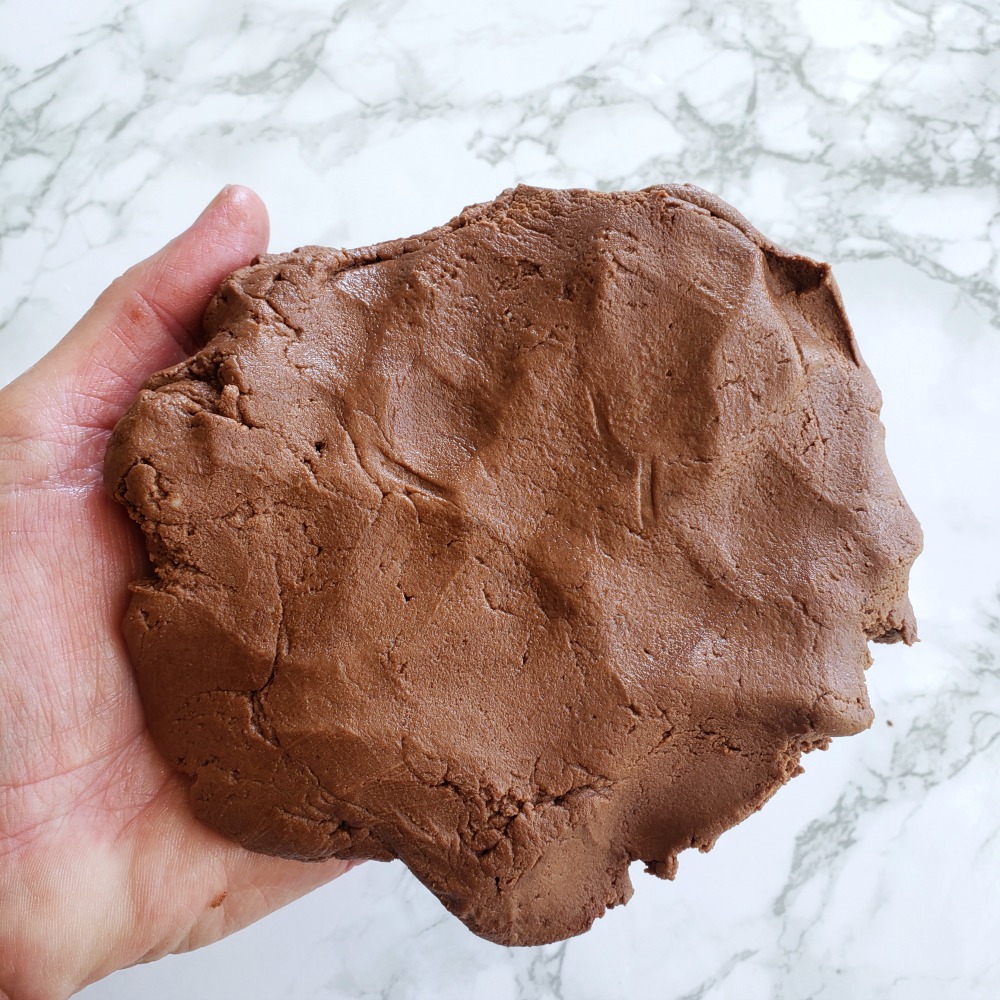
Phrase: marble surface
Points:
(863, 132)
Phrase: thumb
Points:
(146, 320)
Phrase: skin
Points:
(101, 863)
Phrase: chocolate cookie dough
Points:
(520, 550)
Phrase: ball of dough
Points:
(520, 550)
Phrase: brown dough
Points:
(520, 550)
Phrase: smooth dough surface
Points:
(520, 550)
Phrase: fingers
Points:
(148, 318)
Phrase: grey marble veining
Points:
(866, 132)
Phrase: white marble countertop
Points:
(863, 132)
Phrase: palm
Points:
(89, 811)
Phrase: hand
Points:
(101, 863)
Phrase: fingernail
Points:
(218, 199)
